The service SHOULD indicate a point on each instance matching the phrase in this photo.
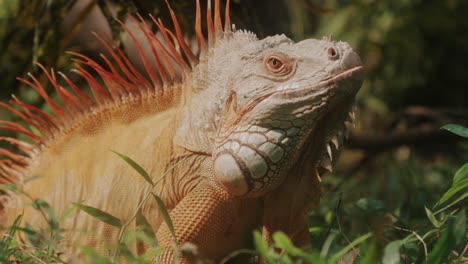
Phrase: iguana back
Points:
(254, 122)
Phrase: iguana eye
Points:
(274, 63)
(277, 66)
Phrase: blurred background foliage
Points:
(397, 161)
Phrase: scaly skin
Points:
(257, 122)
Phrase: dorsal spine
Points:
(118, 81)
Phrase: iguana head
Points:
(269, 101)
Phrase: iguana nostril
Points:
(332, 53)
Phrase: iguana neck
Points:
(200, 114)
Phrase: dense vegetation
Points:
(399, 192)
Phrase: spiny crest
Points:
(119, 82)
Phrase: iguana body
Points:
(254, 121)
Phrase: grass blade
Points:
(459, 227)
(355, 242)
(443, 246)
(128, 254)
(165, 215)
(461, 174)
(146, 228)
(101, 215)
(432, 218)
(457, 130)
(282, 241)
(32, 178)
(7, 237)
(94, 256)
(327, 244)
(456, 187)
(38, 204)
(12, 230)
(462, 197)
(10, 187)
(261, 247)
(135, 166)
(392, 253)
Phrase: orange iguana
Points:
(256, 120)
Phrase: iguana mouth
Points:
(297, 90)
(349, 72)
(345, 73)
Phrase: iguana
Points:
(257, 121)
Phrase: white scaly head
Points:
(261, 104)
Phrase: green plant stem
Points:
(415, 235)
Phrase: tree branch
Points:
(412, 136)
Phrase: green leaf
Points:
(392, 253)
(101, 215)
(32, 178)
(351, 245)
(8, 236)
(316, 230)
(457, 130)
(327, 244)
(166, 216)
(27, 231)
(54, 224)
(151, 254)
(432, 217)
(456, 187)
(282, 241)
(127, 253)
(94, 256)
(461, 173)
(368, 204)
(261, 247)
(443, 246)
(369, 251)
(462, 197)
(10, 187)
(459, 227)
(31, 233)
(67, 213)
(137, 167)
(146, 228)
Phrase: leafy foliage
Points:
(447, 235)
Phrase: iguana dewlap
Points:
(256, 122)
